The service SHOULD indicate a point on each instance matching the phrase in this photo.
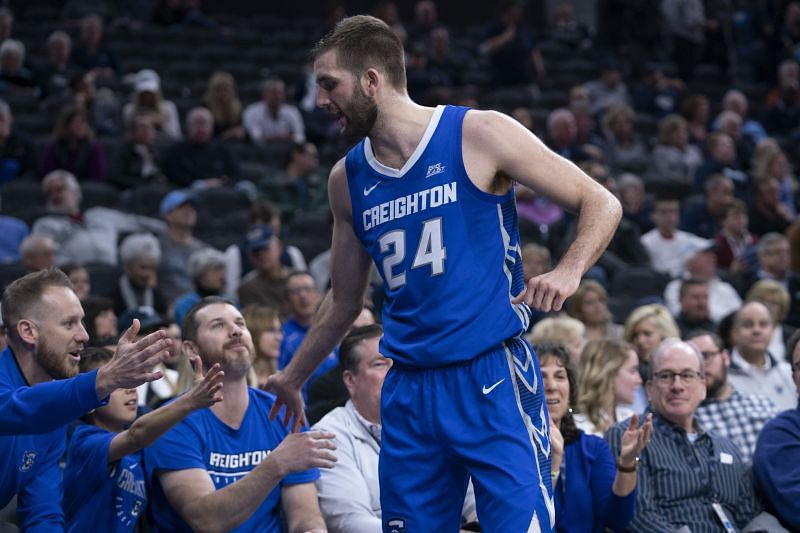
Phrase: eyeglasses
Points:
(709, 354)
(666, 377)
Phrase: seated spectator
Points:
(100, 319)
(589, 304)
(91, 53)
(74, 149)
(349, 493)
(694, 310)
(670, 248)
(84, 236)
(775, 296)
(674, 161)
(776, 460)
(753, 369)
(274, 484)
(702, 216)
(434, 68)
(723, 298)
(56, 74)
(266, 283)
(695, 110)
(608, 378)
(79, 277)
(15, 77)
(733, 239)
(299, 186)
(302, 301)
(535, 260)
(686, 468)
(138, 159)
(562, 330)
(272, 119)
(656, 93)
(426, 21)
(567, 30)
(773, 163)
(101, 104)
(736, 101)
(37, 252)
(784, 101)
(206, 269)
(147, 98)
(16, 149)
(730, 124)
(178, 243)
(562, 135)
(645, 327)
(222, 99)
(636, 206)
(12, 232)
(200, 158)
(722, 159)
(726, 411)
(266, 213)
(624, 150)
(589, 492)
(139, 255)
(511, 47)
(608, 89)
(773, 262)
(105, 484)
(265, 327)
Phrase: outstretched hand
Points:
(288, 395)
(548, 291)
(635, 439)
(301, 451)
(207, 390)
(133, 361)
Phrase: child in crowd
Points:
(104, 476)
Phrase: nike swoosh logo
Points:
(370, 189)
(487, 390)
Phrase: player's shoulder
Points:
(339, 170)
(476, 121)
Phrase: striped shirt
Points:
(679, 480)
(739, 418)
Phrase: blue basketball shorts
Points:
(484, 419)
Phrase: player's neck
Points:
(398, 130)
(235, 400)
(30, 368)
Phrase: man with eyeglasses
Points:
(690, 479)
(776, 463)
(302, 299)
(736, 415)
(753, 369)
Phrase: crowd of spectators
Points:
(152, 197)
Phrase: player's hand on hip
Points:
(286, 395)
(548, 291)
(301, 451)
(207, 389)
(133, 361)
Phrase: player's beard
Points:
(56, 365)
(361, 114)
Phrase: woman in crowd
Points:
(608, 377)
(100, 320)
(624, 150)
(222, 98)
(265, 328)
(775, 296)
(561, 329)
(695, 109)
(674, 161)
(79, 277)
(590, 491)
(645, 328)
(147, 98)
(73, 147)
(589, 304)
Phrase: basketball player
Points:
(428, 195)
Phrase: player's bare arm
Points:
(192, 493)
(494, 146)
(350, 266)
(301, 508)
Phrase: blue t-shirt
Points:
(101, 496)
(448, 252)
(201, 440)
(293, 335)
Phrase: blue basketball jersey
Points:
(448, 252)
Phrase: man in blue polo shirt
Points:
(43, 319)
(228, 468)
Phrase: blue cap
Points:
(258, 237)
(175, 199)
